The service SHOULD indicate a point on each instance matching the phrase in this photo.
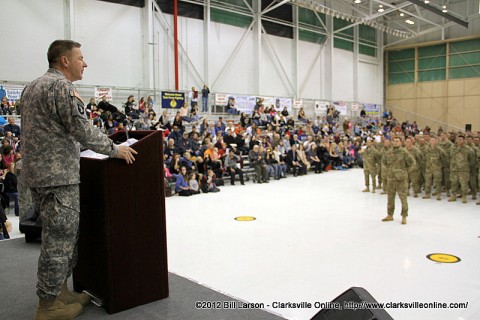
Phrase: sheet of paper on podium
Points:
(94, 155)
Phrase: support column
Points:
(257, 31)
(206, 43)
(175, 41)
(69, 19)
(296, 81)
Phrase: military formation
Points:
(437, 164)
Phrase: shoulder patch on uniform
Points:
(77, 95)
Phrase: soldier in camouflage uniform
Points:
(476, 140)
(422, 146)
(398, 162)
(446, 144)
(370, 156)
(386, 147)
(414, 174)
(461, 164)
(435, 160)
(474, 175)
(378, 146)
(54, 126)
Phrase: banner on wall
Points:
(247, 103)
(321, 106)
(281, 103)
(172, 99)
(297, 103)
(372, 109)
(341, 107)
(221, 99)
(100, 92)
(12, 92)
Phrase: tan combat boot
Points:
(367, 189)
(439, 197)
(478, 203)
(373, 190)
(68, 297)
(404, 220)
(57, 310)
(452, 198)
(464, 199)
(388, 218)
(415, 195)
(426, 196)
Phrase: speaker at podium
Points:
(354, 305)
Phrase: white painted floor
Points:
(318, 235)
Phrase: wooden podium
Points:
(122, 249)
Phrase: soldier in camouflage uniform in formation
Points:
(474, 174)
(462, 163)
(378, 146)
(414, 174)
(476, 141)
(422, 146)
(383, 151)
(54, 124)
(370, 156)
(435, 160)
(398, 162)
(446, 145)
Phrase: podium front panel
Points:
(123, 244)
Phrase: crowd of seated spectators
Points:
(10, 161)
(272, 144)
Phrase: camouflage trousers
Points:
(384, 178)
(434, 176)
(400, 187)
(446, 179)
(24, 200)
(59, 208)
(414, 179)
(422, 172)
(462, 178)
(474, 182)
(369, 173)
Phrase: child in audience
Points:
(193, 183)
(212, 187)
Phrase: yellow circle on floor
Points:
(443, 258)
(245, 218)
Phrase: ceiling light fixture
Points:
(444, 9)
(358, 1)
(409, 21)
(426, 2)
(380, 8)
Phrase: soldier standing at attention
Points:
(422, 146)
(54, 125)
(414, 174)
(370, 156)
(383, 151)
(398, 163)
(446, 144)
(461, 164)
(435, 160)
(474, 175)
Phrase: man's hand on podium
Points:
(126, 153)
